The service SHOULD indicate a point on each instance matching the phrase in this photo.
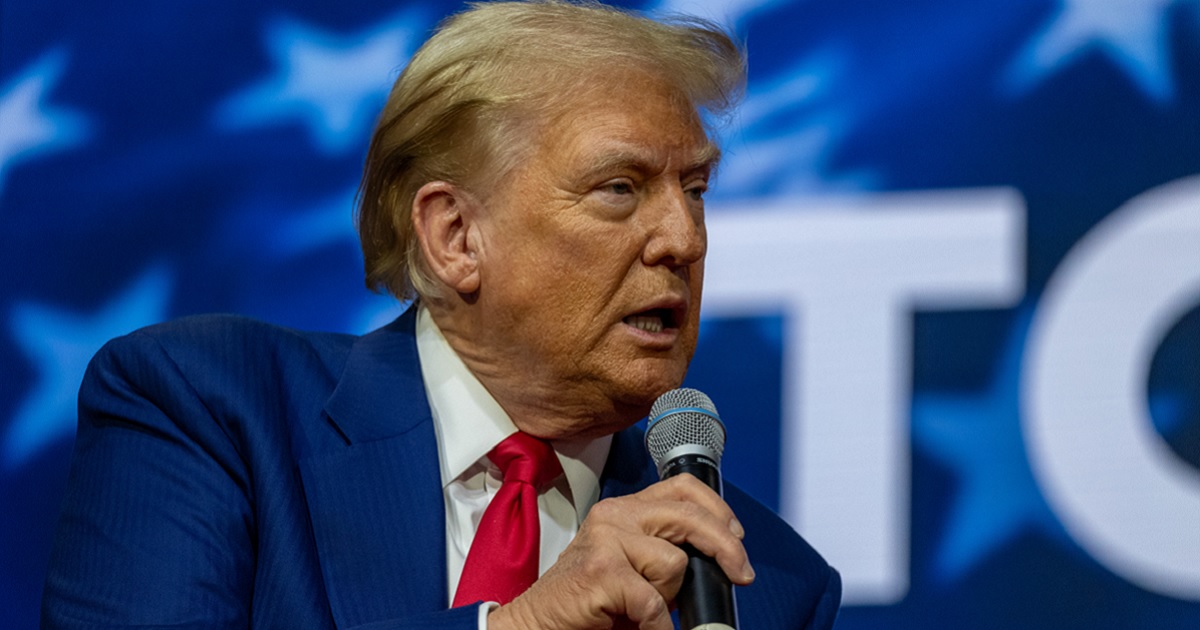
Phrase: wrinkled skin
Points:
(578, 279)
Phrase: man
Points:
(537, 182)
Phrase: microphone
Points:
(685, 435)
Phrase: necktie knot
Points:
(523, 458)
(503, 560)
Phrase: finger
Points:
(655, 559)
(680, 522)
(688, 488)
(659, 562)
(642, 603)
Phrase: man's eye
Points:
(697, 192)
(619, 188)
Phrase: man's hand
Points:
(625, 566)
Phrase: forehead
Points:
(626, 117)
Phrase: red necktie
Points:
(503, 560)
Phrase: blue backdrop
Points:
(952, 310)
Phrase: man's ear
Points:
(444, 217)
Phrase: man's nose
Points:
(677, 236)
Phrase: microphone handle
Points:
(706, 598)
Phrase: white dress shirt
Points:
(469, 423)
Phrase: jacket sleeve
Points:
(157, 524)
(161, 520)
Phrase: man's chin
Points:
(640, 395)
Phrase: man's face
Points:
(592, 253)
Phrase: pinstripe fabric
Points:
(232, 474)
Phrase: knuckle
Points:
(693, 484)
(689, 488)
(672, 561)
(598, 564)
(607, 510)
(646, 604)
(682, 481)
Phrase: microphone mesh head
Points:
(675, 421)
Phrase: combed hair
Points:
(470, 99)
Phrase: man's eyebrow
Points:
(707, 156)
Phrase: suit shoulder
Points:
(245, 378)
(225, 360)
(219, 328)
(216, 339)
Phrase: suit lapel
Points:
(375, 498)
(628, 469)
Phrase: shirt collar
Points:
(469, 422)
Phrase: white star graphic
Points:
(60, 345)
(1131, 33)
(779, 139)
(325, 223)
(333, 84)
(28, 126)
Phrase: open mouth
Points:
(654, 320)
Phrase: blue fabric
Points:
(230, 473)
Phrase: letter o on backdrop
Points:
(1112, 480)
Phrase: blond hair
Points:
(462, 109)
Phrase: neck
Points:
(536, 403)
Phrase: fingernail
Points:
(748, 572)
(735, 526)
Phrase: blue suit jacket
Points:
(230, 473)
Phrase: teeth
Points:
(648, 323)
